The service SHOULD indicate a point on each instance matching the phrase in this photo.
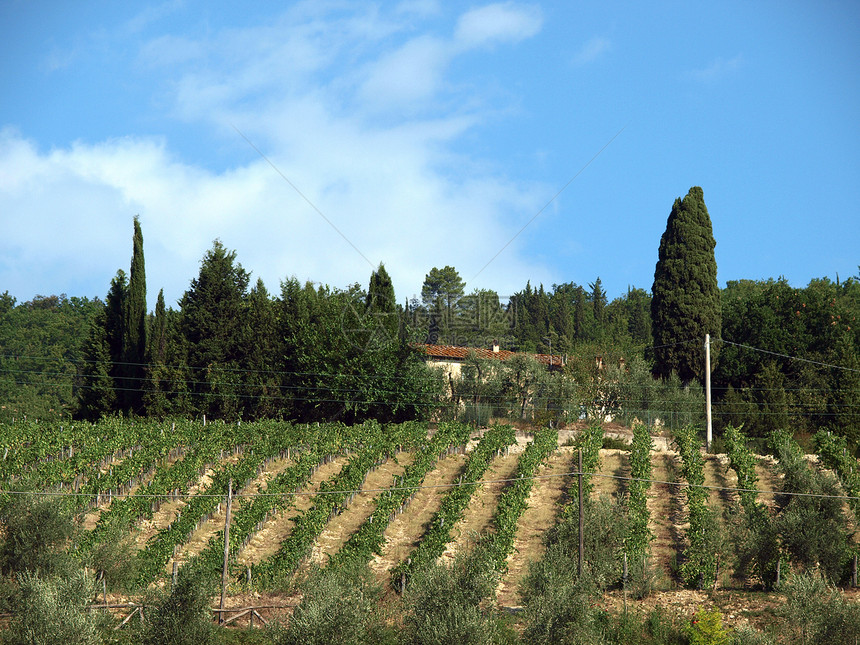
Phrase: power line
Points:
(455, 484)
(793, 358)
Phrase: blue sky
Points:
(428, 134)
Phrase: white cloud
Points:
(307, 93)
(592, 50)
(409, 74)
(503, 22)
(719, 68)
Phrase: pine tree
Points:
(134, 343)
(213, 315)
(686, 297)
(95, 392)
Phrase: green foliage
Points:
(212, 315)
(559, 605)
(36, 532)
(816, 612)
(812, 525)
(445, 603)
(134, 336)
(706, 628)
(704, 535)
(41, 342)
(756, 539)
(639, 536)
(183, 616)
(96, 394)
(338, 364)
(440, 293)
(603, 541)
(686, 298)
(632, 394)
(339, 605)
(520, 387)
(836, 455)
(767, 391)
(51, 610)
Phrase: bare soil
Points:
(405, 531)
(542, 512)
(267, 540)
(476, 518)
(340, 528)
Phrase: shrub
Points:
(559, 606)
(445, 602)
(817, 612)
(812, 529)
(183, 617)
(605, 530)
(707, 629)
(338, 606)
(36, 532)
(53, 610)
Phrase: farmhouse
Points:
(451, 358)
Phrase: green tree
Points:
(382, 306)
(213, 313)
(114, 324)
(95, 393)
(54, 610)
(262, 343)
(598, 305)
(134, 340)
(183, 616)
(686, 297)
(440, 293)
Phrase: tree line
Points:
(314, 352)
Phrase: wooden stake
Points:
(581, 519)
(226, 550)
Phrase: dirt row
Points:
(666, 505)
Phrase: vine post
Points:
(710, 433)
(226, 550)
(581, 518)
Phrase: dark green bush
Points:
(817, 612)
(36, 531)
(183, 616)
(52, 611)
(446, 604)
(339, 605)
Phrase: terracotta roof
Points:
(451, 352)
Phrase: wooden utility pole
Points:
(226, 550)
(581, 519)
(708, 390)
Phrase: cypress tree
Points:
(134, 325)
(382, 306)
(685, 301)
(114, 326)
(598, 304)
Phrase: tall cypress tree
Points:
(685, 301)
(114, 326)
(134, 326)
(382, 306)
